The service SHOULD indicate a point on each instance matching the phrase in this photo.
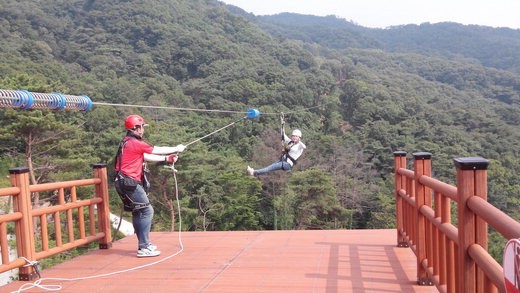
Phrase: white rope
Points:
(222, 128)
(38, 283)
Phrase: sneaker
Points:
(250, 171)
(147, 252)
(151, 246)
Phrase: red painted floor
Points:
(329, 261)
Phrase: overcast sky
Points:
(384, 13)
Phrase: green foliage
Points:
(358, 94)
(496, 244)
(316, 206)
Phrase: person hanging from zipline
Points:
(293, 148)
(130, 180)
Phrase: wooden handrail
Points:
(501, 222)
(439, 186)
(25, 218)
(63, 184)
(453, 258)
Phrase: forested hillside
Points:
(491, 47)
(355, 103)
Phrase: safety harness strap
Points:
(128, 203)
(285, 153)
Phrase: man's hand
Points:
(171, 158)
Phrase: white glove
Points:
(180, 148)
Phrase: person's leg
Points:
(273, 167)
(286, 167)
(142, 217)
(142, 221)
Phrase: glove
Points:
(171, 158)
(180, 147)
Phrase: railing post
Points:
(100, 171)
(422, 166)
(471, 181)
(24, 228)
(400, 183)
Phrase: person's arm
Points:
(157, 150)
(154, 158)
(160, 158)
(286, 138)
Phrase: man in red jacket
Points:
(130, 180)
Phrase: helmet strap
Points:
(134, 134)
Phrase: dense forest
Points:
(491, 47)
(357, 94)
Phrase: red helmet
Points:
(134, 120)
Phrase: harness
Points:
(124, 184)
(285, 153)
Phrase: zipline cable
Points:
(51, 287)
(165, 107)
(25, 100)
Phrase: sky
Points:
(385, 13)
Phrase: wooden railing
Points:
(69, 214)
(453, 258)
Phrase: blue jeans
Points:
(142, 218)
(280, 165)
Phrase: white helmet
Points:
(297, 132)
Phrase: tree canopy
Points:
(357, 94)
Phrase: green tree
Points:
(317, 205)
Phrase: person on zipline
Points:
(130, 180)
(292, 150)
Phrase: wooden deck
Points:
(245, 261)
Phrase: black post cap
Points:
(18, 170)
(422, 156)
(471, 163)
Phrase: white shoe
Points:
(250, 171)
(149, 251)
